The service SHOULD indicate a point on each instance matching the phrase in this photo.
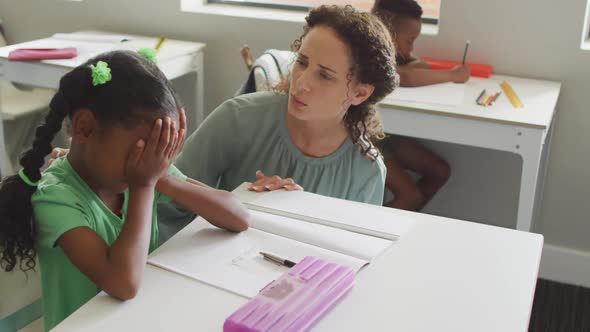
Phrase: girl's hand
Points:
(181, 133)
(148, 162)
(265, 183)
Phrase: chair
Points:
(18, 107)
(268, 70)
(21, 302)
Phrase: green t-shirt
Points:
(63, 201)
(249, 133)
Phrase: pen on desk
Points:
(160, 43)
(465, 52)
(278, 260)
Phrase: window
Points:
(431, 7)
(586, 29)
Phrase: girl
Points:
(90, 215)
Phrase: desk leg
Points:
(530, 148)
(545, 152)
(6, 167)
(199, 90)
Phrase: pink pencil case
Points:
(296, 301)
(42, 53)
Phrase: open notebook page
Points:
(349, 243)
(231, 261)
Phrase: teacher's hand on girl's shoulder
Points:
(270, 183)
(56, 153)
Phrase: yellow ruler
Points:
(511, 95)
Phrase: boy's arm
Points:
(219, 207)
(411, 76)
(417, 63)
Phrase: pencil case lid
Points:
(477, 69)
(42, 53)
(296, 301)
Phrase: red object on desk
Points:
(42, 53)
(477, 69)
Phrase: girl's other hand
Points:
(181, 134)
(266, 183)
(149, 161)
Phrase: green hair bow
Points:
(101, 73)
(149, 53)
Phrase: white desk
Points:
(176, 58)
(444, 275)
(524, 131)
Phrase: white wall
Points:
(529, 38)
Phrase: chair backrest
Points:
(267, 71)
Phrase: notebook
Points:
(287, 225)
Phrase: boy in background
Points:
(403, 18)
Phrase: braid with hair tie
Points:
(17, 238)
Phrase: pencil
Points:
(478, 100)
(277, 260)
(494, 98)
(465, 52)
(160, 43)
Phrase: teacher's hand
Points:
(56, 153)
(267, 183)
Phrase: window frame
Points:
(585, 42)
(299, 8)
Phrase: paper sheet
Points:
(451, 94)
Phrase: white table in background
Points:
(176, 58)
(523, 131)
(443, 275)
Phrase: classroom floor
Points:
(560, 308)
